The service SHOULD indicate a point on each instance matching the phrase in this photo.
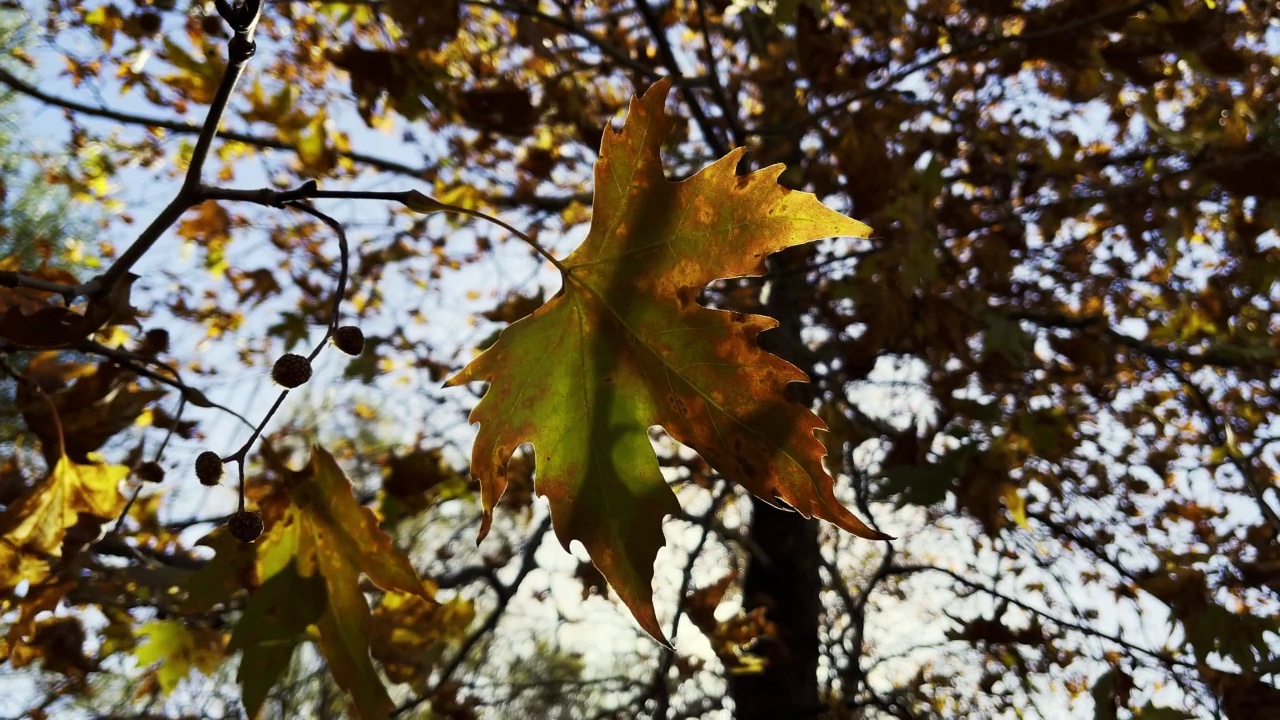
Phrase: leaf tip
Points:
(661, 88)
(486, 522)
(648, 620)
(867, 533)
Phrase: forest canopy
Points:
(803, 358)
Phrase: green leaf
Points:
(366, 365)
(275, 620)
(166, 642)
(1104, 695)
(1240, 637)
(230, 570)
(1005, 337)
(292, 329)
(324, 532)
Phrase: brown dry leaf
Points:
(94, 408)
(33, 319)
(701, 604)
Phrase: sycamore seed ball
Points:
(208, 467)
(291, 370)
(150, 471)
(349, 339)
(245, 526)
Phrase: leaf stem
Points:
(500, 223)
(344, 255)
(130, 362)
(411, 199)
(239, 456)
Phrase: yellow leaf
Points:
(178, 649)
(410, 633)
(319, 548)
(33, 526)
(1017, 505)
(167, 642)
(464, 196)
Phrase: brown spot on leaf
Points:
(680, 406)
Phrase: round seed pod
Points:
(349, 339)
(208, 468)
(152, 472)
(245, 526)
(291, 370)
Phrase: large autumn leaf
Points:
(309, 564)
(625, 346)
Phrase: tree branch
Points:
(243, 18)
(505, 593)
(686, 93)
(1162, 656)
(1213, 356)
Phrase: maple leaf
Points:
(230, 570)
(33, 527)
(317, 549)
(625, 346)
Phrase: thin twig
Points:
(243, 17)
(1223, 356)
(658, 685)
(1218, 432)
(13, 279)
(412, 199)
(505, 594)
(910, 69)
(1164, 657)
(134, 364)
(730, 109)
(344, 257)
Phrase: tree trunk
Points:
(782, 576)
(786, 584)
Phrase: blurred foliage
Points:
(1051, 371)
